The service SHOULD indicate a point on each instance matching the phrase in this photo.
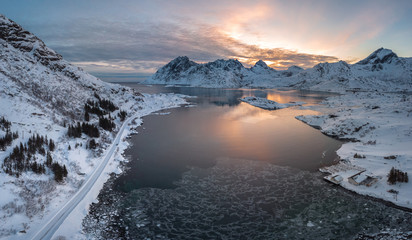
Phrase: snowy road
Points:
(53, 224)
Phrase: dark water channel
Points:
(227, 170)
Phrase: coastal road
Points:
(54, 222)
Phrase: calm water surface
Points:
(227, 170)
(222, 126)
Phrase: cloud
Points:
(130, 35)
(105, 46)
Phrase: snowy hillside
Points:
(56, 121)
(383, 69)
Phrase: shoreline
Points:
(116, 164)
(382, 138)
(354, 193)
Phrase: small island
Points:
(268, 104)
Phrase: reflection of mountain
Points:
(217, 96)
(381, 70)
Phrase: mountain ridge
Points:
(382, 69)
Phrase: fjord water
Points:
(223, 169)
(220, 125)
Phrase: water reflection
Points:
(246, 114)
(230, 97)
(222, 126)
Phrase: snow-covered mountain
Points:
(220, 73)
(382, 69)
(183, 71)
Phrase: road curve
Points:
(48, 230)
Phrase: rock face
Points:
(23, 40)
(381, 70)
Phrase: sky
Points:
(134, 38)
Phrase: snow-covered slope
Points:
(383, 69)
(41, 94)
(29, 68)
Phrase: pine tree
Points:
(49, 159)
(92, 144)
(51, 145)
(392, 176)
(65, 171)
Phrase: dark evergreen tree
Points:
(59, 171)
(7, 139)
(106, 124)
(107, 105)
(52, 146)
(86, 116)
(22, 156)
(122, 115)
(92, 144)
(392, 176)
(49, 159)
(4, 124)
(90, 130)
(396, 175)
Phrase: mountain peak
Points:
(233, 64)
(182, 61)
(381, 55)
(261, 63)
(295, 68)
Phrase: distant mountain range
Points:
(381, 70)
